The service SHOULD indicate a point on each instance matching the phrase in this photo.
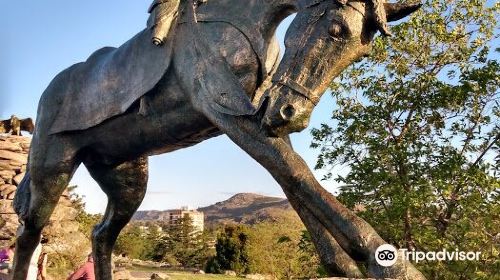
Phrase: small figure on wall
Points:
(14, 125)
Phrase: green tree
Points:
(279, 248)
(231, 251)
(183, 244)
(417, 123)
(137, 242)
(85, 220)
(308, 256)
(63, 259)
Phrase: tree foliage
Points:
(418, 125)
(63, 258)
(177, 244)
(231, 251)
(280, 248)
(184, 244)
(137, 242)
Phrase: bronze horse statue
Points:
(218, 73)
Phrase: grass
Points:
(145, 273)
(187, 276)
(178, 275)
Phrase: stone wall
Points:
(63, 233)
(13, 158)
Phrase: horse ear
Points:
(397, 11)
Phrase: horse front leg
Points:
(333, 258)
(305, 192)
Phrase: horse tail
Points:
(23, 197)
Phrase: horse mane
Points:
(376, 6)
(378, 11)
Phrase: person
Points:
(162, 15)
(85, 272)
(6, 256)
(42, 266)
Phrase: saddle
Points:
(112, 79)
(108, 82)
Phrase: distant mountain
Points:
(245, 208)
(150, 215)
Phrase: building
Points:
(172, 217)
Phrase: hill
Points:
(245, 208)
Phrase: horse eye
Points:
(335, 29)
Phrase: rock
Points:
(9, 146)
(199, 271)
(160, 276)
(11, 195)
(342, 278)
(15, 139)
(63, 231)
(21, 158)
(4, 164)
(122, 275)
(6, 207)
(257, 276)
(8, 164)
(6, 190)
(13, 163)
(18, 178)
(230, 273)
(25, 146)
(4, 186)
(7, 174)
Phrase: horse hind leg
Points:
(39, 194)
(125, 185)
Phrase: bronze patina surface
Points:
(213, 75)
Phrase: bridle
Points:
(295, 86)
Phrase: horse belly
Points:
(168, 123)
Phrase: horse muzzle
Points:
(284, 120)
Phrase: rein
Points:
(297, 88)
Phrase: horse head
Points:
(325, 37)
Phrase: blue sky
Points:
(38, 39)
